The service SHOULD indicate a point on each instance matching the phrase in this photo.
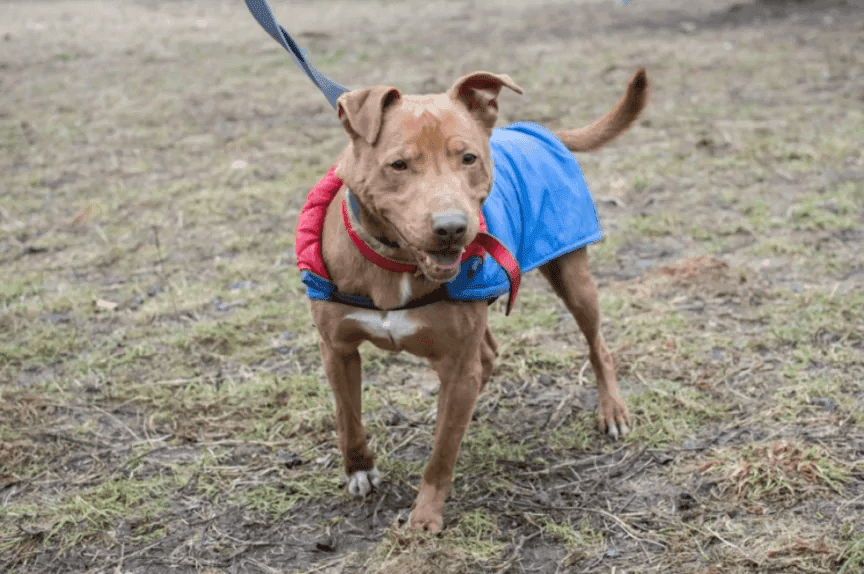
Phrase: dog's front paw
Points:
(613, 418)
(428, 512)
(426, 519)
(362, 482)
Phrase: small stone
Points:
(325, 544)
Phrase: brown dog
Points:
(420, 168)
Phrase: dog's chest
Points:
(395, 326)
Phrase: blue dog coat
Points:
(539, 208)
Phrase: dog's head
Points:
(421, 167)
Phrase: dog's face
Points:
(421, 165)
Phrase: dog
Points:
(425, 219)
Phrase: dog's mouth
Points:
(441, 265)
(443, 259)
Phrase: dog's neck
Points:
(353, 274)
(373, 233)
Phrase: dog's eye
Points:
(468, 159)
(399, 165)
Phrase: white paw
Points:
(362, 482)
(618, 430)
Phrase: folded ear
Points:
(361, 111)
(479, 92)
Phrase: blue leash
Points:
(262, 12)
(331, 90)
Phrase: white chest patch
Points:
(393, 325)
(405, 288)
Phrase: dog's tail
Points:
(613, 124)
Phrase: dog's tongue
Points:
(445, 259)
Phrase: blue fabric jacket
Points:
(539, 208)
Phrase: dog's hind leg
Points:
(570, 276)
(488, 352)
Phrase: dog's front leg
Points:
(342, 366)
(461, 380)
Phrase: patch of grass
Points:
(771, 149)
(647, 325)
(419, 553)
(774, 246)
(655, 225)
(606, 251)
(87, 516)
(251, 407)
(271, 500)
(814, 397)
(667, 412)
(831, 317)
(832, 211)
(779, 473)
(534, 311)
(580, 542)
(851, 558)
(468, 546)
(315, 484)
(578, 433)
(16, 289)
(758, 213)
(476, 534)
(406, 471)
(485, 448)
(32, 345)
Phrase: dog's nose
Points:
(449, 225)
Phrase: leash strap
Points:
(262, 12)
(506, 260)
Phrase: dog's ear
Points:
(361, 111)
(479, 92)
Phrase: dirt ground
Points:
(163, 403)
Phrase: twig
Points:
(738, 548)
(119, 568)
(124, 425)
(263, 567)
(160, 271)
(403, 443)
(855, 501)
(78, 441)
(118, 564)
(581, 378)
(515, 554)
(625, 527)
(324, 565)
(580, 463)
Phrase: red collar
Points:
(483, 243)
(371, 254)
